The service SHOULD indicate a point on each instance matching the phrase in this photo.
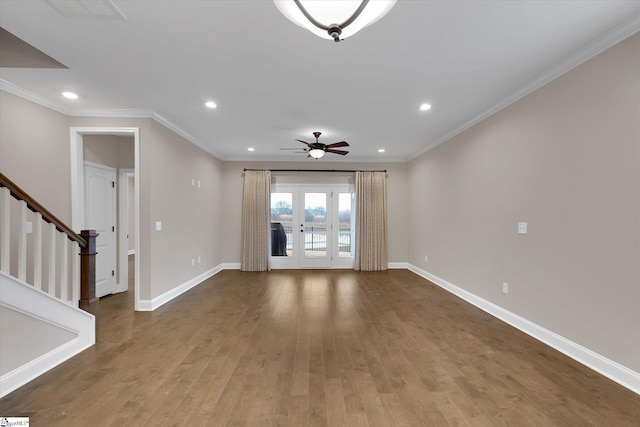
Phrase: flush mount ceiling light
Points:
(69, 95)
(210, 104)
(425, 107)
(334, 19)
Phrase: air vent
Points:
(87, 9)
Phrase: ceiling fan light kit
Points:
(318, 149)
(316, 153)
(334, 19)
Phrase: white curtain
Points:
(256, 219)
(371, 221)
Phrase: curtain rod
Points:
(314, 170)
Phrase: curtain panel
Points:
(371, 222)
(256, 219)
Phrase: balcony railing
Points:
(315, 238)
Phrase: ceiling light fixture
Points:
(322, 17)
(316, 153)
(425, 107)
(251, 149)
(70, 95)
(210, 104)
(381, 150)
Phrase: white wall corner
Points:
(610, 369)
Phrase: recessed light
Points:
(425, 107)
(210, 104)
(381, 150)
(251, 149)
(70, 95)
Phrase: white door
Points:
(311, 227)
(100, 215)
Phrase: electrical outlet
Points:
(426, 258)
(158, 225)
(193, 262)
(28, 227)
(505, 288)
(199, 259)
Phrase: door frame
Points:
(123, 220)
(297, 190)
(77, 185)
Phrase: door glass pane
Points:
(281, 226)
(345, 201)
(315, 224)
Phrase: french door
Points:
(312, 227)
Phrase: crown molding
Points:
(599, 45)
(105, 112)
(30, 96)
(110, 112)
(176, 129)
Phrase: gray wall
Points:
(110, 150)
(34, 152)
(565, 159)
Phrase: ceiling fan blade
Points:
(338, 144)
(304, 142)
(341, 152)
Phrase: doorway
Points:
(312, 226)
(78, 191)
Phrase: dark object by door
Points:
(278, 240)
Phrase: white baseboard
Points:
(150, 305)
(131, 252)
(398, 265)
(610, 369)
(230, 266)
(19, 296)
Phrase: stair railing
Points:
(71, 279)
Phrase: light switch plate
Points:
(158, 225)
(522, 228)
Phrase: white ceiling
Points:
(274, 81)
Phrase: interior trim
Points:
(610, 369)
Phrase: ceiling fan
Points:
(317, 149)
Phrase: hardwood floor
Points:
(319, 348)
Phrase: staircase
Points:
(48, 306)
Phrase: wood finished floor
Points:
(319, 348)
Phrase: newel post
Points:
(88, 300)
